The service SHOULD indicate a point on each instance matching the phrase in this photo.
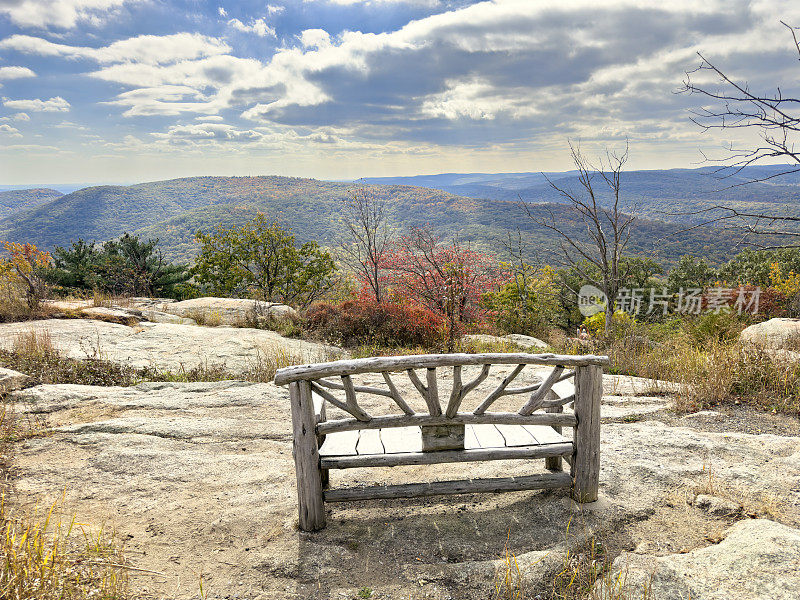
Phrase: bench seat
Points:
(397, 446)
(397, 440)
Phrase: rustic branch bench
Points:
(443, 434)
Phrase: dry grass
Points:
(711, 371)
(42, 557)
(754, 503)
(584, 574)
(35, 354)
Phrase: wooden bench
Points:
(443, 433)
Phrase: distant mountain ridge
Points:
(668, 195)
(14, 201)
(174, 210)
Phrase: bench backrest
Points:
(321, 379)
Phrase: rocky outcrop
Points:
(758, 559)
(228, 311)
(167, 346)
(12, 380)
(775, 334)
(523, 341)
(199, 476)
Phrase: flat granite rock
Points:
(199, 477)
(757, 560)
(167, 346)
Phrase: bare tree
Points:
(776, 119)
(370, 238)
(598, 257)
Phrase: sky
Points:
(99, 91)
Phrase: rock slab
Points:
(227, 311)
(759, 559)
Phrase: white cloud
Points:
(209, 118)
(57, 104)
(148, 49)
(64, 14)
(9, 131)
(22, 117)
(15, 73)
(207, 132)
(256, 26)
(222, 12)
(274, 10)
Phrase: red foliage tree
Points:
(447, 278)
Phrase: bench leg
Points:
(306, 458)
(586, 459)
(554, 463)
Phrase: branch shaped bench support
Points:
(443, 433)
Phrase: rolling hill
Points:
(13, 201)
(174, 210)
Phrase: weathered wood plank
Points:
(470, 439)
(306, 458)
(445, 456)
(565, 420)
(396, 395)
(440, 488)
(546, 435)
(489, 436)
(537, 397)
(424, 361)
(369, 442)
(401, 439)
(586, 435)
(340, 444)
(516, 435)
(498, 391)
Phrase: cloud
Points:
(21, 117)
(209, 118)
(147, 49)
(222, 12)
(9, 131)
(256, 26)
(57, 104)
(207, 132)
(15, 73)
(274, 10)
(64, 14)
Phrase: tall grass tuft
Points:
(43, 558)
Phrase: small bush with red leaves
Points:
(363, 322)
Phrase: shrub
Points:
(365, 322)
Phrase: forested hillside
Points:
(13, 201)
(175, 210)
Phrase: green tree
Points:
(124, 266)
(529, 303)
(75, 267)
(131, 266)
(753, 266)
(691, 272)
(260, 259)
